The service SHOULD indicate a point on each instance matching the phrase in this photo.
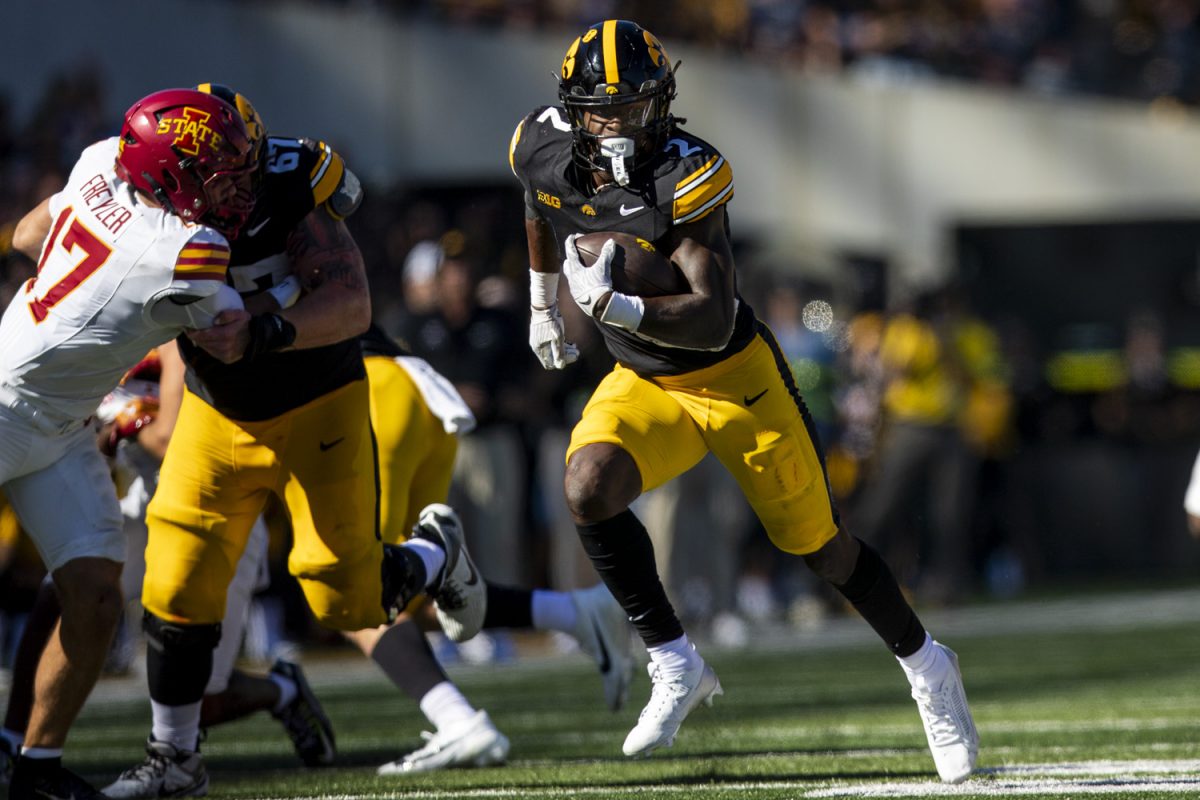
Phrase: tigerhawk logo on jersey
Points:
(191, 130)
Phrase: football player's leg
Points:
(232, 694)
(70, 510)
(463, 736)
(227, 698)
(212, 486)
(329, 485)
(39, 625)
(416, 463)
(634, 436)
(773, 452)
(416, 454)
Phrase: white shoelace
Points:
(662, 694)
(935, 707)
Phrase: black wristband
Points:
(268, 333)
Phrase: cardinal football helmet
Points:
(191, 152)
(617, 85)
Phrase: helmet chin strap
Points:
(616, 149)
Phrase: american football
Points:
(637, 268)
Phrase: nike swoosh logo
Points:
(625, 212)
(749, 401)
(326, 445)
(474, 579)
(258, 227)
(605, 662)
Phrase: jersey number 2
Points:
(95, 253)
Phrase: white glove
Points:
(548, 340)
(589, 284)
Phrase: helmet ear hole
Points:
(169, 182)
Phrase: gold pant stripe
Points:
(416, 455)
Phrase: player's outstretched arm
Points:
(31, 232)
(336, 304)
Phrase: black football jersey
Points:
(688, 181)
(300, 175)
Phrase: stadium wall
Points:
(822, 165)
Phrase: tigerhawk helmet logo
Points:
(191, 130)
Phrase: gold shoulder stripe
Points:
(326, 181)
(322, 162)
(699, 176)
(703, 191)
(321, 165)
(512, 147)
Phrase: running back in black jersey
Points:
(299, 175)
(689, 180)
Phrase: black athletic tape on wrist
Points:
(268, 333)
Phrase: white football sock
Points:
(41, 753)
(177, 725)
(431, 555)
(445, 705)
(922, 660)
(675, 657)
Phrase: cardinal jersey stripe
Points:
(202, 263)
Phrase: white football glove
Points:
(589, 284)
(548, 340)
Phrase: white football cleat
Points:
(472, 743)
(460, 599)
(671, 700)
(603, 632)
(166, 772)
(949, 728)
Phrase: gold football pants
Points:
(218, 473)
(747, 411)
(416, 455)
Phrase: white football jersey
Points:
(92, 311)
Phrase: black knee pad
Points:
(178, 659)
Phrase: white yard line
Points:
(1073, 779)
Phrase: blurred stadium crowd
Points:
(1137, 49)
(918, 399)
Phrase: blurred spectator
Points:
(482, 352)
(1139, 49)
(944, 400)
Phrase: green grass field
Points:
(1079, 708)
